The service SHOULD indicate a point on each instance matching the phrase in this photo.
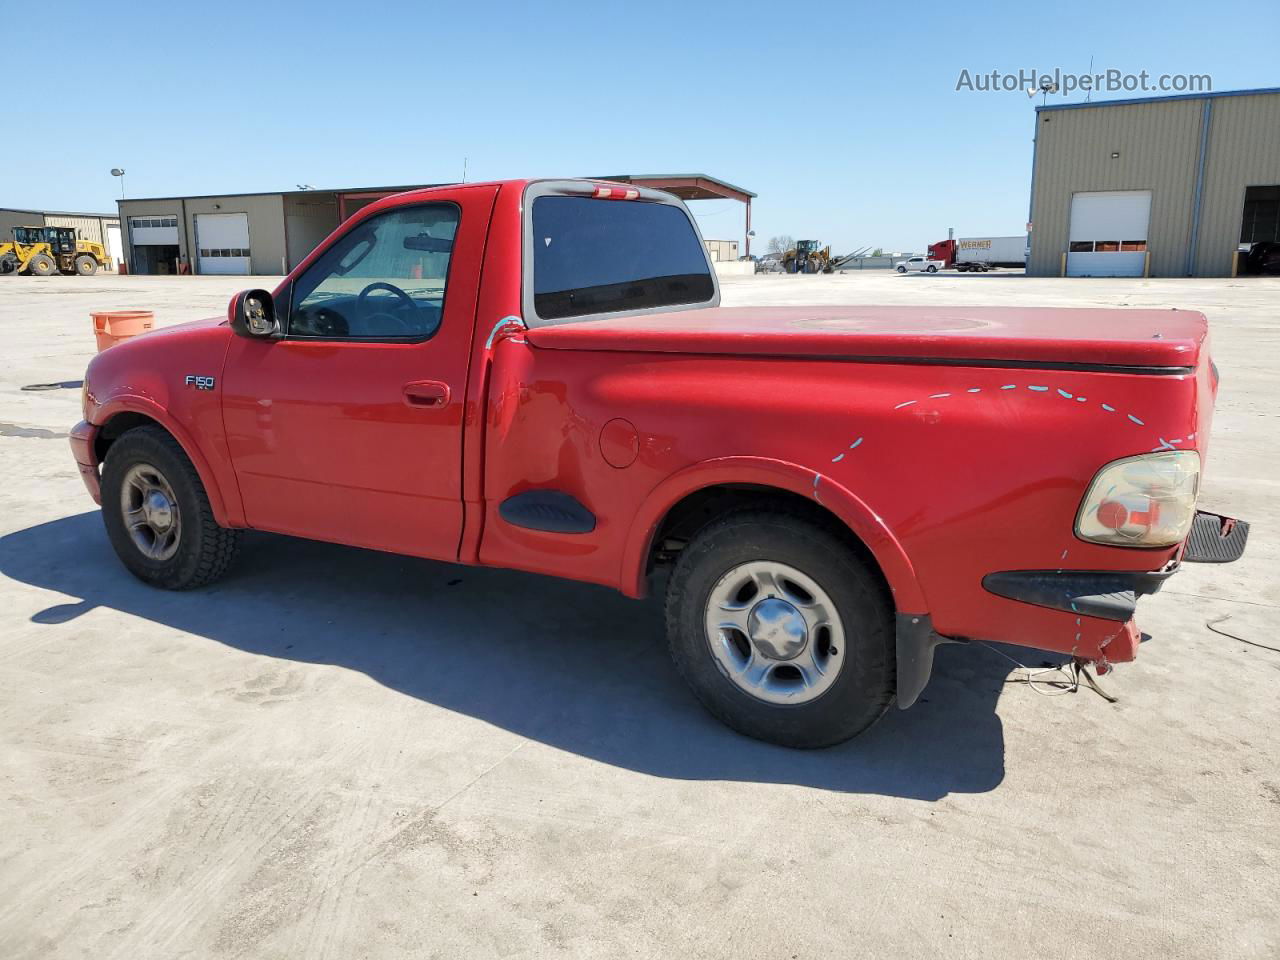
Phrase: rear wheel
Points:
(781, 630)
(42, 265)
(932, 268)
(157, 514)
(86, 266)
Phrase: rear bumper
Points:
(1107, 595)
(82, 442)
(1114, 594)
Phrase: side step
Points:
(1215, 539)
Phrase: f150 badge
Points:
(200, 383)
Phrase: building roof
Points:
(1175, 96)
(399, 188)
(687, 186)
(60, 213)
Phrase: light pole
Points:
(119, 172)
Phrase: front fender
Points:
(763, 471)
(224, 497)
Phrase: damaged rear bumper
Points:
(1106, 595)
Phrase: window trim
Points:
(355, 224)
(586, 188)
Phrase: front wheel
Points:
(157, 514)
(902, 269)
(86, 266)
(781, 630)
(42, 265)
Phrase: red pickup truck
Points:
(538, 375)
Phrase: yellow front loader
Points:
(44, 251)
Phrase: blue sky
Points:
(846, 122)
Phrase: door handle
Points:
(426, 393)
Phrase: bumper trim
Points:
(82, 437)
(1106, 594)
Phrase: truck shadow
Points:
(577, 667)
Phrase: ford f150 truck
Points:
(538, 375)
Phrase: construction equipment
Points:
(44, 251)
(807, 256)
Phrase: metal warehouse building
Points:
(271, 233)
(103, 228)
(1164, 187)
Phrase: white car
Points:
(919, 265)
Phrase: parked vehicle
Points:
(918, 265)
(538, 375)
(980, 254)
(44, 251)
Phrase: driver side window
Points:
(383, 280)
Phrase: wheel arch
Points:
(122, 414)
(762, 477)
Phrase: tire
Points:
(789, 266)
(201, 551)
(86, 266)
(902, 269)
(8, 265)
(803, 558)
(931, 268)
(42, 265)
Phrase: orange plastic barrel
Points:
(113, 326)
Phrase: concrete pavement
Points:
(336, 753)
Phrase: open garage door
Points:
(222, 240)
(1109, 234)
(1260, 232)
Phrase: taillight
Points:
(1144, 501)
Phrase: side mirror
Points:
(253, 314)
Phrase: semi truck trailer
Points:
(980, 253)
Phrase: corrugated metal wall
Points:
(1158, 143)
(17, 218)
(1244, 151)
(89, 228)
(1159, 147)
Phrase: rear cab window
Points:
(593, 257)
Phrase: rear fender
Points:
(763, 471)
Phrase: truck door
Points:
(349, 428)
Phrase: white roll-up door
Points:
(1108, 235)
(222, 243)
